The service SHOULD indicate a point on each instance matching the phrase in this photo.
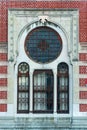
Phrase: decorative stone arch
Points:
(32, 18)
(29, 27)
(56, 18)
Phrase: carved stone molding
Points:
(66, 20)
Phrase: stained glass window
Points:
(43, 44)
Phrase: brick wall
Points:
(3, 56)
(81, 5)
(3, 69)
(82, 69)
(3, 82)
(83, 82)
(3, 94)
(3, 107)
(3, 77)
(83, 95)
(83, 107)
(83, 57)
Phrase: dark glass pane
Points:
(43, 44)
(63, 88)
(43, 91)
(23, 88)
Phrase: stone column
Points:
(55, 90)
(31, 91)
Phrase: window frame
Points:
(43, 48)
(47, 111)
(23, 91)
(65, 91)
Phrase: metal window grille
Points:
(23, 88)
(43, 91)
(63, 88)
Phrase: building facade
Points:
(43, 69)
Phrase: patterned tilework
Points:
(83, 94)
(82, 69)
(5, 4)
(83, 107)
(83, 82)
(3, 107)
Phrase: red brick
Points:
(83, 82)
(3, 69)
(81, 5)
(3, 82)
(3, 94)
(3, 107)
(82, 69)
(83, 57)
(83, 94)
(83, 107)
(3, 56)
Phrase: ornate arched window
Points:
(23, 88)
(43, 91)
(63, 88)
(47, 92)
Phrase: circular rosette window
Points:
(43, 44)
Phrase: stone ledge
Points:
(11, 123)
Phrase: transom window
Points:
(43, 44)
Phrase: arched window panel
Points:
(63, 88)
(23, 88)
(43, 91)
